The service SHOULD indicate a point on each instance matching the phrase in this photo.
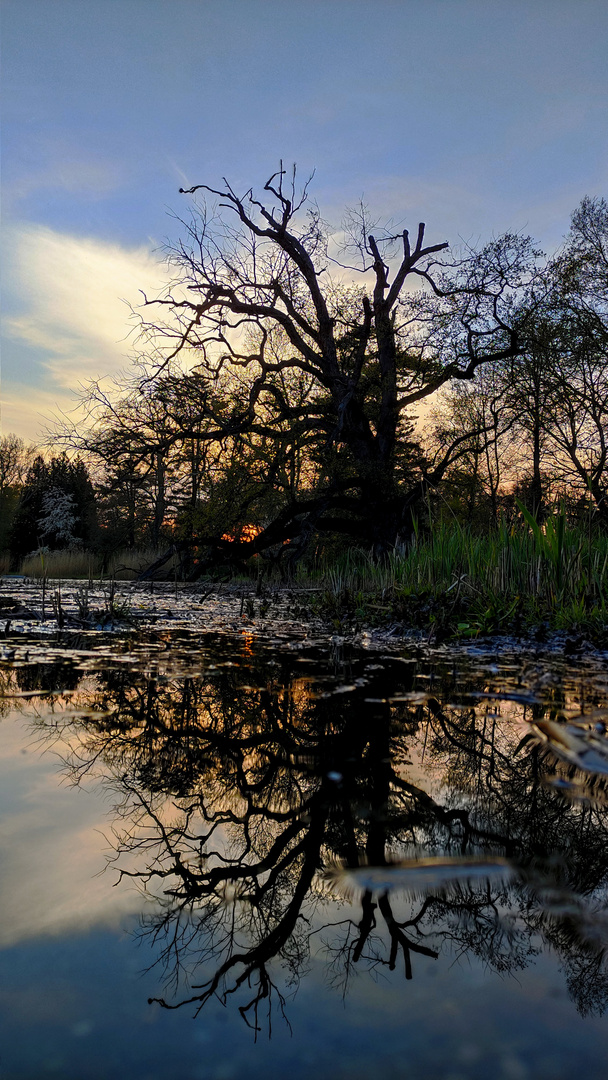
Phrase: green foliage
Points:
(458, 584)
(550, 541)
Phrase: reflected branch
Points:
(237, 789)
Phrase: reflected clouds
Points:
(238, 786)
(52, 847)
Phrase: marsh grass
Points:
(82, 565)
(450, 583)
(465, 584)
(59, 564)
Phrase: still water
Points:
(224, 858)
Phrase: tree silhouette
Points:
(285, 361)
(251, 802)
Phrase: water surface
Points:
(241, 855)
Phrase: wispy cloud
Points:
(75, 294)
(27, 410)
(72, 297)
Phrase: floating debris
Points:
(590, 791)
(412, 697)
(588, 919)
(430, 874)
(584, 747)
(520, 697)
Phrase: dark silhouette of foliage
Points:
(58, 483)
(305, 380)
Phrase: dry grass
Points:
(61, 564)
(79, 565)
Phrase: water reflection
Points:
(271, 814)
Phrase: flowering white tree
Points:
(58, 518)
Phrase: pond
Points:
(243, 854)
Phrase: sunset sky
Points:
(476, 116)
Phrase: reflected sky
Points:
(51, 845)
(230, 791)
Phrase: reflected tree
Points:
(238, 789)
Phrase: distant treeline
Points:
(276, 412)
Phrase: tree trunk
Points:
(537, 484)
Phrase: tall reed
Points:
(548, 569)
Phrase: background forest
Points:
(369, 409)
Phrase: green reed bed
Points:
(462, 584)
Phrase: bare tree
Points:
(16, 457)
(250, 268)
(475, 476)
(271, 353)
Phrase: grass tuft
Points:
(462, 585)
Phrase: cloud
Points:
(74, 295)
(33, 412)
(94, 179)
(68, 301)
(26, 409)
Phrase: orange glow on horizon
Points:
(246, 532)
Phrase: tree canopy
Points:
(56, 508)
(293, 354)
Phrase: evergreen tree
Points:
(56, 508)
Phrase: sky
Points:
(475, 116)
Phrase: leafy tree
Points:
(59, 519)
(579, 411)
(557, 388)
(545, 422)
(56, 508)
